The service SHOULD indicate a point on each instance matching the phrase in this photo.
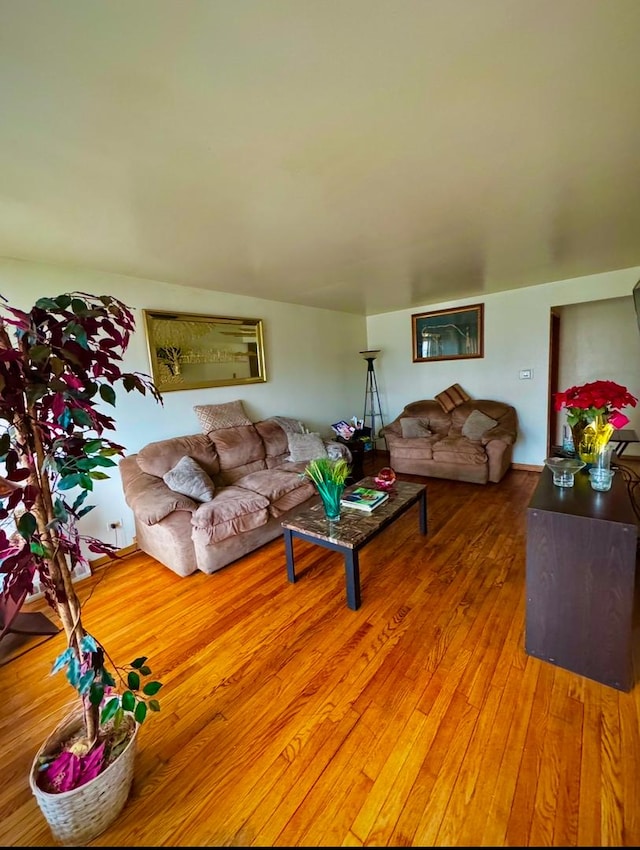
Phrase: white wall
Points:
(516, 336)
(601, 341)
(314, 371)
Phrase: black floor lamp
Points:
(372, 409)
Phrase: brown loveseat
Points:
(246, 485)
(472, 442)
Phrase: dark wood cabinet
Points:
(580, 578)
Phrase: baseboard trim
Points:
(121, 553)
(527, 467)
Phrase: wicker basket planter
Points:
(77, 816)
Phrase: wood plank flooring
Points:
(290, 720)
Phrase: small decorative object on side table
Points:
(357, 447)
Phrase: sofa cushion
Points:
(284, 490)
(412, 426)
(189, 479)
(412, 447)
(240, 450)
(215, 416)
(427, 410)
(450, 398)
(504, 414)
(305, 447)
(458, 450)
(477, 424)
(274, 438)
(231, 511)
(159, 457)
(148, 496)
(290, 425)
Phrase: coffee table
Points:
(354, 529)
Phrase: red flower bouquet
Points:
(598, 398)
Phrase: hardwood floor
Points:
(290, 720)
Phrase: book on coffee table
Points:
(364, 499)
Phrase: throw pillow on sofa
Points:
(452, 397)
(190, 479)
(213, 417)
(477, 425)
(413, 426)
(305, 447)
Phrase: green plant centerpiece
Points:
(59, 364)
(329, 476)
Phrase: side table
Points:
(356, 447)
(580, 579)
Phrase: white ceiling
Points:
(359, 155)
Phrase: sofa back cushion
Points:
(503, 414)
(240, 450)
(413, 426)
(274, 438)
(159, 457)
(429, 411)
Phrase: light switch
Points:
(526, 374)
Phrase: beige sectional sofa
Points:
(248, 471)
(473, 441)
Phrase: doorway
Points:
(554, 369)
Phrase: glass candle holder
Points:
(601, 478)
(564, 470)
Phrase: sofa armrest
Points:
(337, 450)
(498, 433)
(392, 429)
(393, 437)
(148, 496)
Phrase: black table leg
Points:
(288, 548)
(352, 575)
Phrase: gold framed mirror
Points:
(189, 350)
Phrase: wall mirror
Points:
(452, 334)
(189, 350)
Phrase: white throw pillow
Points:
(306, 447)
(189, 479)
(477, 425)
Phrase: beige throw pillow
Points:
(306, 447)
(412, 426)
(452, 397)
(477, 425)
(212, 417)
(189, 479)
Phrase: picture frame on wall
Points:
(190, 350)
(453, 334)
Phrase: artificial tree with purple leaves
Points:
(59, 364)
